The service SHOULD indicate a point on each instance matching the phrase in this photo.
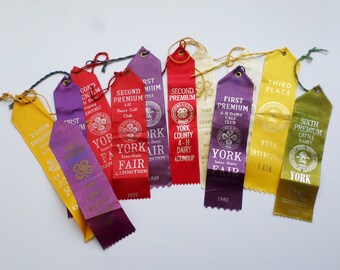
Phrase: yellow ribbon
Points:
(27, 97)
(27, 120)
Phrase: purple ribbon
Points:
(227, 153)
(90, 186)
(68, 104)
(148, 68)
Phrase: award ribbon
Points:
(89, 184)
(227, 154)
(68, 104)
(271, 123)
(97, 116)
(205, 99)
(130, 142)
(35, 126)
(148, 68)
(301, 169)
(184, 161)
(273, 65)
(254, 72)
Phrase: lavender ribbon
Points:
(90, 186)
(148, 68)
(227, 153)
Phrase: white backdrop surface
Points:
(173, 229)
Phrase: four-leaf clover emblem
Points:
(82, 169)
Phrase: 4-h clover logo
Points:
(82, 169)
(204, 89)
(99, 123)
(229, 137)
(53, 165)
(130, 130)
(182, 113)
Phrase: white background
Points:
(173, 229)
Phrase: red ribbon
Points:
(130, 143)
(97, 116)
(182, 117)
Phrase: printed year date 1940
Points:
(132, 195)
(223, 199)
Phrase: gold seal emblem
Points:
(273, 116)
(303, 158)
